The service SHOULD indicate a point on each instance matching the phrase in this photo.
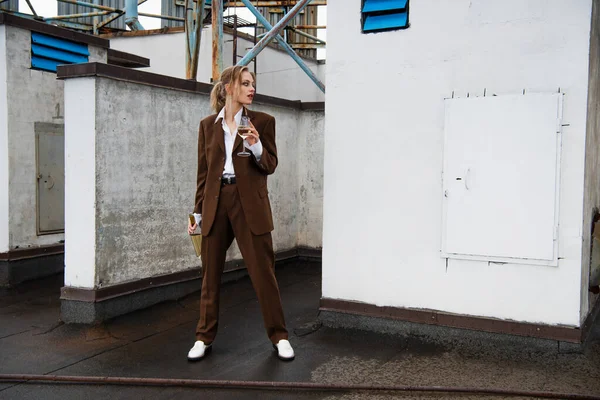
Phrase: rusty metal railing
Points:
(195, 13)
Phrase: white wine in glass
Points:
(243, 130)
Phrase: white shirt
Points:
(256, 149)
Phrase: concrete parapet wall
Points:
(32, 97)
(3, 146)
(30, 101)
(131, 150)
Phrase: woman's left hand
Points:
(253, 135)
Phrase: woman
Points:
(232, 197)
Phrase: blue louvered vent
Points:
(384, 15)
(47, 52)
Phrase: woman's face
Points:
(244, 91)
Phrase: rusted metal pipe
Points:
(188, 26)
(71, 25)
(217, 39)
(86, 4)
(110, 19)
(235, 17)
(96, 20)
(270, 3)
(254, 41)
(310, 26)
(306, 35)
(162, 17)
(31, 8)
(82, 15)
(224, 384)
(197, 34)
(194, 15)
(305, 46)
(260, 18)
(120, 13)
(273, 33)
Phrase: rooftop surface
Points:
(153, 343)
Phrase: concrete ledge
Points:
(128, 60)
(20, 265)
(454, 337)
(87, 306)
(128, 288)
(116, 72)
(89, 312)
(349, 314)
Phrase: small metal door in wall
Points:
(50, 159)
(501, 178)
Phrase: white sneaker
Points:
(284, 350)
(198, 352)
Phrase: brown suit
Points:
(251, 175)
(243, 211)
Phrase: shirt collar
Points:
(237, 118)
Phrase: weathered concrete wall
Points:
(385, 143)
(277, 74)
(145, 174)
(592, 160)
(311, 140)
(133, 224)
(33, 96)
(4, 246)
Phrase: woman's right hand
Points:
(191, 228)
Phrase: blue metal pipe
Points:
(246, 60)
(189, 38)
(217, 36)
(194, 15)
(197, 35)
(131, 15)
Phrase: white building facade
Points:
(461, 172)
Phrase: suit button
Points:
(217, 197)
(219, 179)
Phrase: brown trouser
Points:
(257, 251)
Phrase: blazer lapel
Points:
(218, 130)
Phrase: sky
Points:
(48, 8)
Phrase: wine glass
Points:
(242, 131)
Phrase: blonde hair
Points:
(232, 76)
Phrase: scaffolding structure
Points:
(194, 14)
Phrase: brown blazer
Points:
(251, 175)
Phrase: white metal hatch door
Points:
(500, 180)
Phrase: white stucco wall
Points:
(3, 145)
(277, 74)
(127, 205)
(33, 96)
(384, 152)
(80, 182)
